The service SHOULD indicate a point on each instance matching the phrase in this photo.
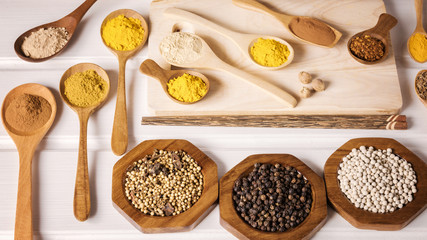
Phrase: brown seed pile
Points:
(367, 48)
(165, 183)
(272, 197)
(421, 84)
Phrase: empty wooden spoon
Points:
(152, 69)
(202, 56)
(26, 143)
(81, 203)
(243, 41)
(68, 22)
(381, 32)
(119, 137)
(419, 29)
(321, 34)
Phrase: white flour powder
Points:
(180, 48)
(45, 42)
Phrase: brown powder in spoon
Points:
(312, 30)
(28, 113)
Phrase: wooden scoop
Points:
(209, 60)
(380, 31)
(424, 101)
(288, 21)
(69, 22)
(26, 143)
(119, 138)
(152, 69)
(419, 28)
(81, 203)
(243, 41)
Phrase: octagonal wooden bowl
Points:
(365, 219)
(233, 223)
(182, 222)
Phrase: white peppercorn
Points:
(376, 180)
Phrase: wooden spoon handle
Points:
(119, 137)
(280, 94)
(24, 212)
(419, 13)
(258, 7)
(81, 10)
(152, 69)
(81, 203)
(194, 18)
(384, 24)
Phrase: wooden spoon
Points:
(209, 60)
(288, 20)
(69, 22)
(152, 69)
(119, 138)
(243, 41)
(380, 31)
(419, 28)
(26, 143)
(81, 203)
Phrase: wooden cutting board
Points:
(352, 88)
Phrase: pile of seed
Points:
(164, 183)
(377, 180)
(367, 48)
(272, 197)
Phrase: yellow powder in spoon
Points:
(269, 52)
(187, 88)
(122, 33)
(85, 89)
(418, 47)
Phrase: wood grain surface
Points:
(351, 87)
(185, 221)
(232, 222)
(365, 219)
(390, 122)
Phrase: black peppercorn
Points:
(272, 197)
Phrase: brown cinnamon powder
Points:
(312, 30)
(27, 112)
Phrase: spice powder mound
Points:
(273, 198)
(312, 30)
(164, 183)
(421, 84)
(28, 112)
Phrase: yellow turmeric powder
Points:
(187, 88)
(122, 33)
(85, 89)
(418, 47)
(269, 52)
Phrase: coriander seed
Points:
(164, 183)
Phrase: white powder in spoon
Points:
(45, 42)
(181, 47)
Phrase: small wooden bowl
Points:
(424, 101)
(233, 223)
(365, 219)
(182, 222)
(379, 31)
